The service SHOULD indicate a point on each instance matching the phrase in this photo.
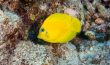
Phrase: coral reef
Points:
(20, 19)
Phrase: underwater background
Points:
(20, 21)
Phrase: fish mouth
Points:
(41, 40)
(39, 36)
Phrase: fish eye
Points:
(42, 30)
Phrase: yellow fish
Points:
(59, 28)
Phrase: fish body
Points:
(59, 28)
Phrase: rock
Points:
(90, 34)
(99, 21)
(70, 56)
(86, 25)
(91, 52)
(43, 7)
(10, 4)
(29, 53)
(11, 27)
(71, 12)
